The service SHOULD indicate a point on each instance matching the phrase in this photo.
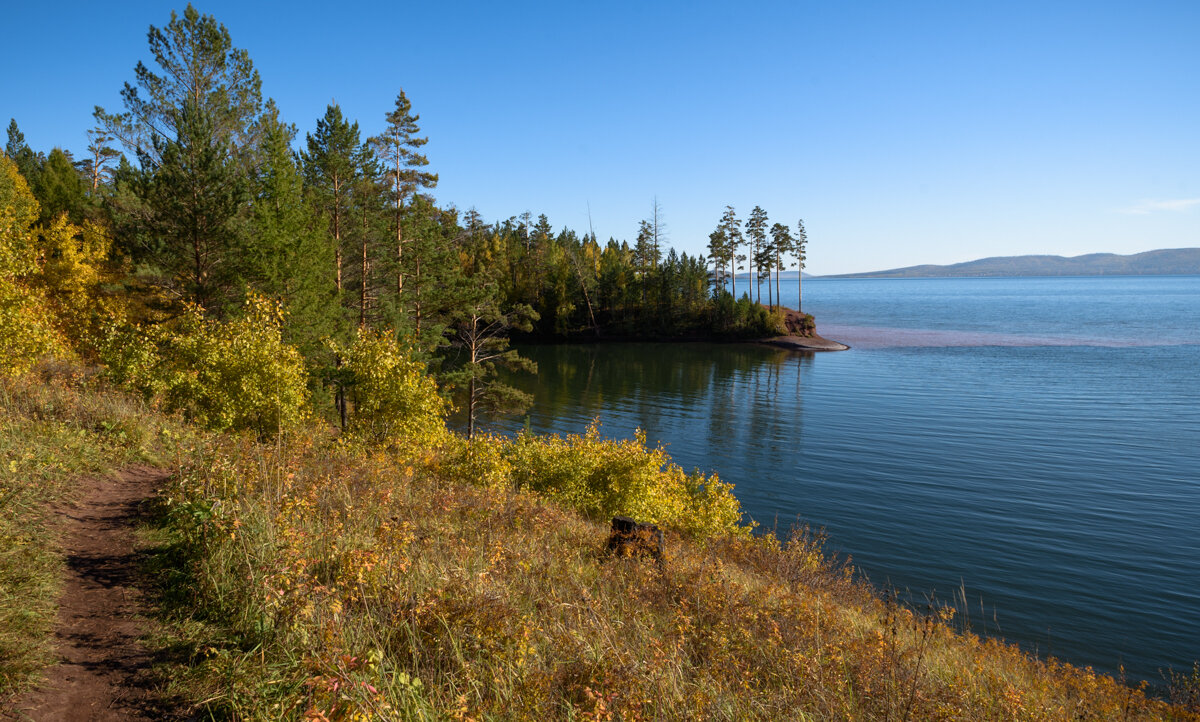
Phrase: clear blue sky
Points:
(902, 133)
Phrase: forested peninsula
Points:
(229, 491)
(197, 195)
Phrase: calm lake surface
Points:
(1033, 441)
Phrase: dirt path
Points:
(103, 672)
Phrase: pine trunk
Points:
(778, 267)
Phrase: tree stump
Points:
(630, 538)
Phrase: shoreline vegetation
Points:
(282, 334)
(310, 575)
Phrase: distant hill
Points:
(1170, 261)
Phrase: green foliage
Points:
(284, 255)
(481, 338)
(225, 375)
(196, 196)
(394, 400)
(198, 65)
(745, 319)
(29, 164)
(61, 189)
(602, 478)
(193, 128)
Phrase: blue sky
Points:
(902, 133)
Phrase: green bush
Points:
(744, 318)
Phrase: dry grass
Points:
(306, 579)
(352, 585)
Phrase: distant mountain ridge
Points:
(1164, 262)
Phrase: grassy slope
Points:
(305, 578)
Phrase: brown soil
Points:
(802, 335)
(103, 671)
(797, 324)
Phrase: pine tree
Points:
(332, 166)
(367, 230)
(732, 228)
(800, 249)
(781, 243)
(397, 148)
(436, 282)
(196, 194)
(481, 334)
(101, 155)
(288, 258)
(718, 251)
(61, 189)
(643, 250)
(29, 164)
(192, 123)
(756, 230)
(199, 68)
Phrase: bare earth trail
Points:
(103, 672)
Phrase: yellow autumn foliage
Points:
(602, 478)
(225, 375)
(394, 400)
(72, 268)
(18, 212)
(27, 329)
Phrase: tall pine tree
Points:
(756, 230)
(200, 68)
(398, 150)
(289, 258)
(196, 193)
(192, 122)
(333, 165)
(781, 244)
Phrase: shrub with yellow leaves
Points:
(606, 477)
(225, 375)
(27, 331)
(481, 460)
(72, 268)
(394, 400)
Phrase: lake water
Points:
(1034, 442)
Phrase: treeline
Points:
(192, 198)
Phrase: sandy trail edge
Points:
(103, 672)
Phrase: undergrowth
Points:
(309, 577)
(324, 582)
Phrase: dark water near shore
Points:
(1035, 442)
